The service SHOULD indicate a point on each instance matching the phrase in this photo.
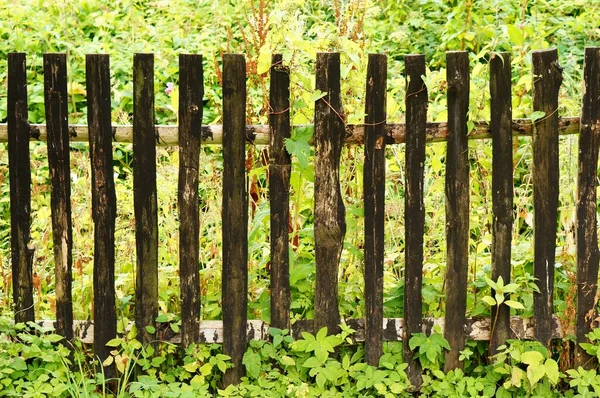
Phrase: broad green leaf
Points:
(207, 368)
(551, 370)
(537, 115)
(150, 329)
(114, 342)
(191, 367)
(489, 300)
(322, 333)
(514, 304)
(515, 35)
(312, 362)
(54, 338)
(535, 373)
(532, 358)
(264, 60)
(287, 361)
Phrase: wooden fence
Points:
(330, 134)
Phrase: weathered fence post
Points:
(145, 197)
(279, 192)
(414, 208)
(587, 235)
(457, 206)
(191, 91)
(330, 222)
(374, 196)
(104, 202)
(547, 78)
(20, 189)
(57, 126)
(502, 188)
(235, 215)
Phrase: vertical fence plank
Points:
(457, 205)
(104, 202)
(414, 226)
(279, 192)
(546, 83)
(235, 215)
(587, 236)
(374, 196)
(190, 124)
(57, 126)
(20, 189)
(502, 188)
(330, 222)
(144, 196)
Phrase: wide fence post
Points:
(191, 91)
(235, 215)
(280, 166)
(57, 126)
(414, 208)
(330, 222)
(587, 235)
(502, 189)
(547, 78)
(145, 198)
(104, 203)
(457, 206)
(374, 196)
(20, 189)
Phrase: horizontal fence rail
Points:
(395, 133)
(330, 135)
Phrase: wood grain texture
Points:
(20, 189)
(145, 197)
(547, 78)
(279, 191)
(414, 207)
(587, 235)
(374, 197)
(191, 91)
(235, 215)
(104, 202)
(502, 188)
(457, 205)
(55, 102)
(330, 222)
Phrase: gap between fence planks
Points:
(546, 83)
(104, 202)
(55, 101)
(259, 134)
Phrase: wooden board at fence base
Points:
(145, 197)
(457, 206)
(547, 77)
(55, 101)
(477, 329)
(330, 221)
(502, 188)
(235, 215)
(279, 192)
(190, 121)
(395, 133)
(587, 235)
(374, 197)
(414, 210)
(104, 202)
(20, 189)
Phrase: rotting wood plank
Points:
(502, 187)
(279, 191)
(374, 197)
(587, 235)
(259, 134)
(20, 189)
(104, 202)
(145, 197)
(414, 211)
(457, 205)
(547, 78)
(191, 91)
(330, 222)
(235, 215)
(55, 101)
